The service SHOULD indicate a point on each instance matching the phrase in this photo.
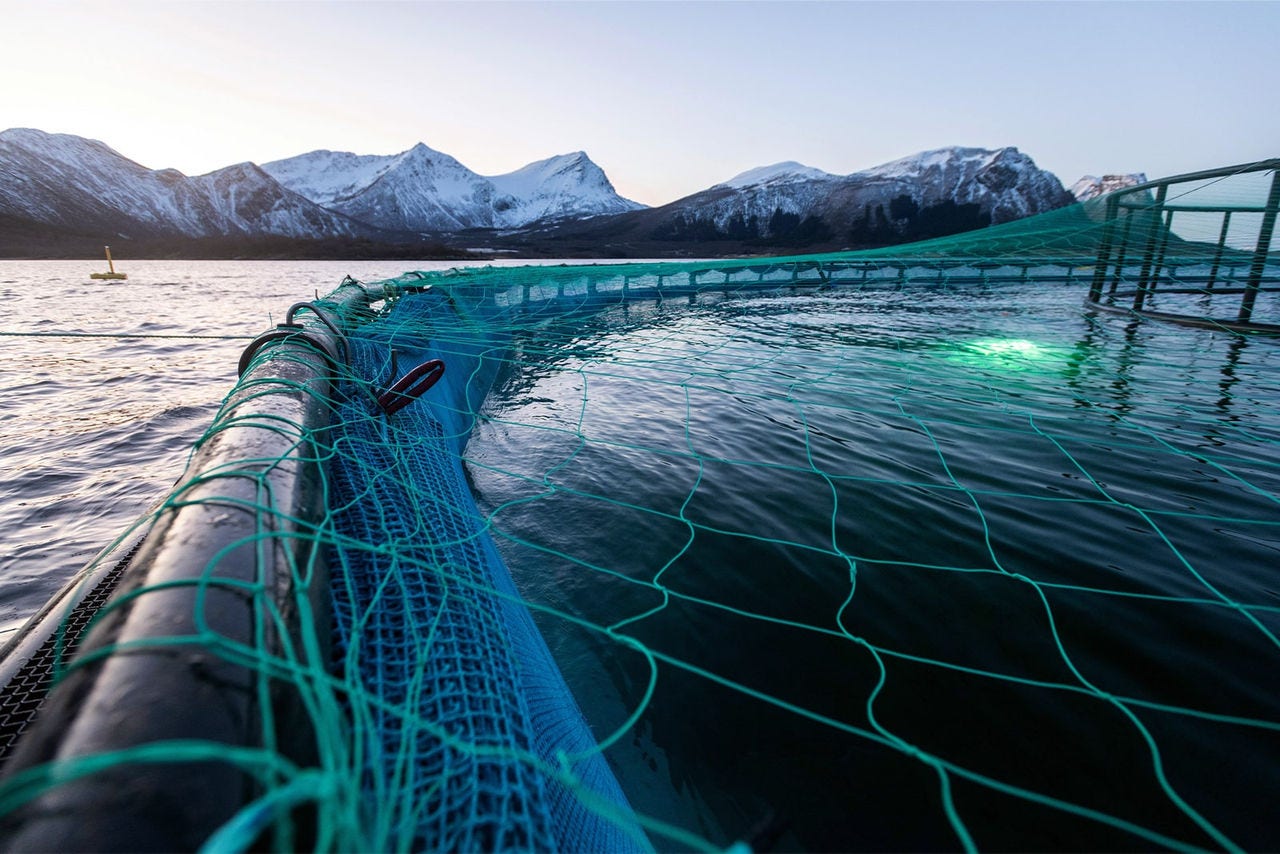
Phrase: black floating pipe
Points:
(242, 517)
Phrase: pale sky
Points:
(667, 97)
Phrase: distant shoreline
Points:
(27, 248)
(124, 251)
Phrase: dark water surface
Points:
(899, 569)
(907, 569)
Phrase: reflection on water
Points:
(95, 430)
(887, 548)
(1229, 376)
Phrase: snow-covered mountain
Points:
(1003, 182)
(927, 194)
(77, 185)
(81, 185)
(567, 186)
(53, 184)
(426, 190)
(1091, 186)
(418, 190)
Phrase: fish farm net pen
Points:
(963, 544)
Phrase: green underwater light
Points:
(1012, 354)
(1009, 347)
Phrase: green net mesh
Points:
(912, 548)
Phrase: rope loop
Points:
(411, 386)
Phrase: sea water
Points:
(896, 568)
(907, 568)
(94, 430)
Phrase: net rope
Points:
(904, 548)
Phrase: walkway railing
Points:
(1142, 252)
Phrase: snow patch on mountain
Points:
(244, 199)
(1004, 181)
(786, 172)
(324, 177)
(934, 160)
(423, 190)
(1092, 186)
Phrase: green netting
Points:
(912, 548)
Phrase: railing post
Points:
(1104, 250)
(1163, 248)
(1154, 224)
(1124, 249)
(1262, 250)
(1217, 255)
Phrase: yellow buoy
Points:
(111, 267)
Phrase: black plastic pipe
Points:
(244, 515)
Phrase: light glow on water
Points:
(1007, 354)
(1018, 346)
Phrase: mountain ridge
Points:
(927, 194)
(78, 184)
(421, 189)
(61, 186)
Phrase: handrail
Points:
(1137, 232)
(1203, 175)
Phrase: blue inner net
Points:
(471, 739)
